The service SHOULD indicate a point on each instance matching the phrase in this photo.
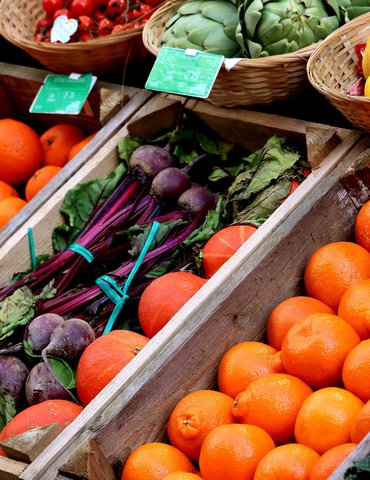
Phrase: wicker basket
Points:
(251, 81)
(17, 24)
(332, 70)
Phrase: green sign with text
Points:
(184, 72)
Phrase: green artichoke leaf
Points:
(252, 16)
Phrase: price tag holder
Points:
(63, 94)
(184, 72)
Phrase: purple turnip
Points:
(69, 340)
(196, 199)
(170, 183)
(13, 373)
(40, 330)
(42, 384)
(148, 160)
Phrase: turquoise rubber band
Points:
(110, 287)
(84, 252)
(31, 243)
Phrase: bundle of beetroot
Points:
(188, 184)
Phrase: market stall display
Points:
(260, 127)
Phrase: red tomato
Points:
(98, 15)
(62, 11)
(118, 28)
(39, 37)
(51, 6)
(82, 7)
(116, 7)
(43, 25)
(153, 3)
(100, 3)
(105, 27)
(87, 24)
(145, 8)
(84, 36)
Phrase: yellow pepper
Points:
(366, 60)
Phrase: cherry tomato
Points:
(145, 8)
(84, 36)
(116, 7)
(98, 15)
(51, 6)
(153, 3)
(105, 27)
(87, 24)
(100, 3)
(82, 7)
(43, 25)
(132, 14)
(62, 11)
(118, 28)
(39, 37)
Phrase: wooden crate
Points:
(107, 108)
(232, 306)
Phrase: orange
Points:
(326, 418)
(103, 359)
(222, 245)
(291, 461)
(182, 476)
(330, 461)
(288, 313)
(9, 207)
(195, 416)
(7, 191)
(361, 425)
(354, 307)
(272, 403)
(39, 179)
(356, 371)
(244, 363)
(20, 151)
(232, 452)
(154, 461)
(57, 142)
(333, 268)
(314, 349)
(164, 297)
(362, 226)
(79, 146)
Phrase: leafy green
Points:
(7, 408)
(63, 371)
(126, 146)
(19, 308)
(28, 349)
(214, 146)
(360, 470)
(80, 202)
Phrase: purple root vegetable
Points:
(69, 340)
(42, 384)
(13, 374)
(41, 328)
(197, 199)
(170, 183)
(147, 161)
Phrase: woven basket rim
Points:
(101, 41)
(334, 39)
(161, 15)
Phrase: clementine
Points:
(288, 313)
(164, 297)
(232, 452)
(361, 425)
(356, 371)
(103, 359)
(79, 146)
(195, 416)
(7, 191)
(154, 461)
(39, 179)
(326, 418)
(21, 151)
(182, 476)
(57, 142)
(222, 245)
(362, 226)
(9, 207)
(330, 461)
(245, 362)
(333, 268)
(354, 307)
(314, 349)
(292, 461)
(272, 403)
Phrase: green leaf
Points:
(126, 147)
(7, 408)
(80, 202)
(64, 373)
(15, 310)
(183, 155)
(27, 347)
(214, 146)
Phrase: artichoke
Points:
(272, 27)
(350, 9)
(206, 25)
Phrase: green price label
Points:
(63, 94)
(184, 72)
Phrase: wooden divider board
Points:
(232, 306)
(111, 106)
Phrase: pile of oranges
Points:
(292, 408)
(29, 161)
